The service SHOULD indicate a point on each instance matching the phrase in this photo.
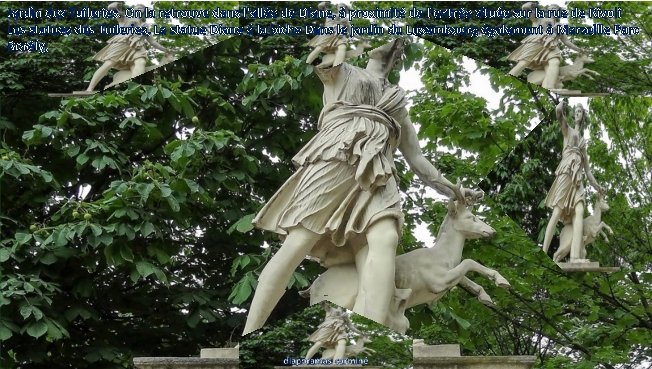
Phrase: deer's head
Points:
(602, 204)
(463, 220)
(467, 223)
(585, 58)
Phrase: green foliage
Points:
(125, 217)
(115, 211)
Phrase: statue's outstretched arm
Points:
(353, 328)
(158, 46)
(589, 174)
(560, 110)
(431, 176)
(566, 41)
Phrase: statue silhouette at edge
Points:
(333, 332)
(541, 52)
(125, 52)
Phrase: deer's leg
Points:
(453, 276)
(585, 73)
(605, 226)
(477, 290)
(313, 349)
(604, 235)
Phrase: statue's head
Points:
(554, 7)
(383, 59)
(140, 8)
(580, 117)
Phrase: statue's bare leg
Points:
(360, 260)
(275, 276)
(313, 349)
(139, 67)
(518, 68)
(552, 74)
(578, 230)
(376, 284)
(551, 227)
(100, 73)
(340, 350)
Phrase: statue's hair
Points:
(583, 121)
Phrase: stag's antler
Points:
(468, 197)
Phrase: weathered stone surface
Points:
(592, 266)
(421, 350)
(330, 366)
(220, 353)
(185, 363)
(475, 362)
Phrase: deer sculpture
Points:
(593, 226)
(423, 275)
(351, 350)
(566, 73)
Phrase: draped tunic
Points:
(123, 49)
(345, 179)
(568, 188)
(538, 49)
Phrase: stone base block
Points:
(329, 366)
(577, 93)
(591, 266)
(220, 353)
(420, 350)
(185, 363)
(475, 362)
(73, 94)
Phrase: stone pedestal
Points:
(220, 353)
(329, 366)
(577, 93)
(210, 358)
(422, 350)
(591, 266)
(448, 357)
(73, 94)
(185, 363)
